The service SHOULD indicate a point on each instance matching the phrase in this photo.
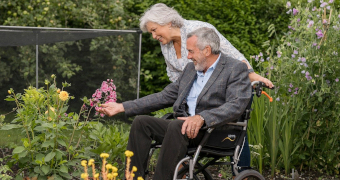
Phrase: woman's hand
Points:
(255, 77)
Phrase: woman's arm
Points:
(255, 77)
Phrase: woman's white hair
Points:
(162, 15)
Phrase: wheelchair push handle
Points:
(258, 88)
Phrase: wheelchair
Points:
(189, 168)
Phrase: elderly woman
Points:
(170, 29)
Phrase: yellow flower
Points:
(58, 90)
(84, 175)
(110, 176)
(108, 166)
(53, 76)
(134, 169)
(63, 95)
(96, 175)
(104, 155)
(115, 174)
(140, 178)
(84, 163)
(91, 161)
(128, 153)
(9, 92)
(114, 169)
(133, 174)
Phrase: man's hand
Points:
(111, 108)
(191, 126)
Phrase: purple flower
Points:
(295, 11)
(256, 58)
(260, 54)
(278, 99)
(314, 8)
(310, 24)
(328, 82)
(315, 110)
(267, 58)
(323, 4)
(303, 72)
(319, 34)
(296, 52)
(289, 90)
(298, 20)
(336, 80)
(291, 85)
(339, 16)
(314, 44)
(303, 59)
(318, 47)
(324, 21)
(278, 54)
(288, 4)
(289, 11)
(289, 27)
(288, 44)
(328, 7)
(331, 1)
(272, 67)
(296, 89)
(262, 60)
(293, 56)
(295, 92)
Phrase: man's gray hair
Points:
(206, 37)
(162, 15)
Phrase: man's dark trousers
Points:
(144, 129)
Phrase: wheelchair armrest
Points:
(206, 136)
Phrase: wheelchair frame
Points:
(193, 154)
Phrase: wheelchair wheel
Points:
(249, 175)
(204, 174)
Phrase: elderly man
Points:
(212, 91)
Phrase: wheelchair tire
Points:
(249, 175)
(184, 170)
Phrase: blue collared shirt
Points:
(199, 83)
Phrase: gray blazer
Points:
(223, 99)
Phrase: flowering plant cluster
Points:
(305, 67)
(106, 93)
(106, 168)
(53, 142)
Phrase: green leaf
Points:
(45, 169)
(49, 156)
(61, 142)
(9, 99)
(18, 177)
(48, 143)
(18, 150)
(23, 154)
(10, 126)
(63, 169)
(65, 175)
(39, 128)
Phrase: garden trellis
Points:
(83, 57)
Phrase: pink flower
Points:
(288, 4)
(104, 87)
(323, 4)
(220, 175)
(310, 24)
(295, 11)
(319, 34)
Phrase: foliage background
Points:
(243, 22)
